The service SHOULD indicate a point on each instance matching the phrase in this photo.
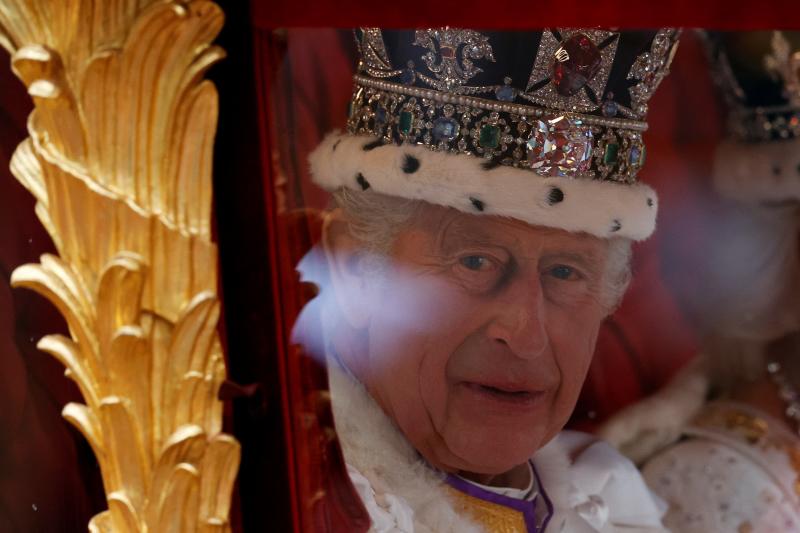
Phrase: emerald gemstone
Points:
(644, 153)
(610, 155)
(406, 121)
(490, 136)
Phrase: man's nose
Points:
(519, 322)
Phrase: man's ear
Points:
(344, 255)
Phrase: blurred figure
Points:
(722, 443)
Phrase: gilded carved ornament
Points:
(119, 160)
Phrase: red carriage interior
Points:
(280, 91)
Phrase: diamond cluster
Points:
(548, 142)
(650, 68)
(764, 124)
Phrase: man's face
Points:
(480, 335)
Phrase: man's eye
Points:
(563, 272)
(475, 262)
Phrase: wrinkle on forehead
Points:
(470, 230)
(454, 230)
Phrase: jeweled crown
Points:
(759, 75)
(561, 102)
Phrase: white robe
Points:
(598, 491)
(738, 470)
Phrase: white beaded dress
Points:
(736, 470)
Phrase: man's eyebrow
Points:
(457, 233)
(588, 260)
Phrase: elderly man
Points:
(485, 201)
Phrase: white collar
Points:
(528, 493)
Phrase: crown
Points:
(542, 126)
(561, 101)
(759, 76)
(758, 73)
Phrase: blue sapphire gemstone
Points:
(634, 156)
(610, 108)
(445, 129)
(407, 77)
(506, 93)
(380, 115)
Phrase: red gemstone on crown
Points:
(447, 52)
(577, 61)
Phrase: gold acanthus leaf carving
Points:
(119, 160)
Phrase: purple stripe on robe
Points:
(526, 507)
(548, 504)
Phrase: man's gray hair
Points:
(376, 219)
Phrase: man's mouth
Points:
(508, 394)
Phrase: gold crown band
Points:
(525, 110)
(547, 141)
